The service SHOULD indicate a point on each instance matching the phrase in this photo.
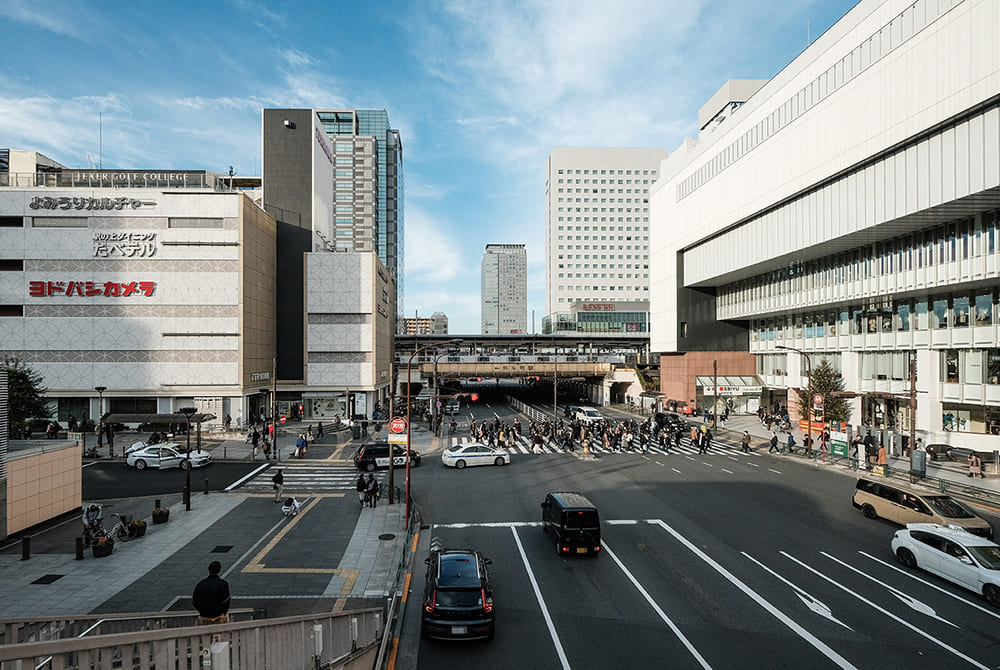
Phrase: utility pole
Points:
(913, 410)
(715, 395)
(274, 409)
(392, 461)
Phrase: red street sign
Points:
(282, 418)
(397, 426)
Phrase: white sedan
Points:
(164, 456)
(474, 454)
(968, 560)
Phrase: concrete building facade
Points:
(597, 224)
(504, 289)
(848, 209)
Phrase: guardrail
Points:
(526, 409)
(308, 641)
(42, 629)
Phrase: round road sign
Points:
(397, 426)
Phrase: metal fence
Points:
(291, 643)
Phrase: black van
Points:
(573, 522)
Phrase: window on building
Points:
(939, 314)
(949, 366)
(960, 312)
(984, 309)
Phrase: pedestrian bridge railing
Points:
(348, 639)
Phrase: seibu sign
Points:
(598, 307)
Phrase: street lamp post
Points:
(409, 422)
(100, 416)
(809, 382)
(187, 411)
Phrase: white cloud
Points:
(431, 255)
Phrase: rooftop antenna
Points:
(232, 172)
(100, 139)
(808, 34)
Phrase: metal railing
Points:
(289, 643)
(42, 629)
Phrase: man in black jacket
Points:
(211, 597)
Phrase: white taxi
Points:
(474, 453)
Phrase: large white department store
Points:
(849, 208)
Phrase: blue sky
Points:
(480, 91)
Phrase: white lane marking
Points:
(708, 464)
(660, 464)
(757, 598)
(753, 464)
(676, 470)
(727, 471)
(541, 602)
(777, 472)
(656, 608)
(732, 458)
(622, 522)
(252, 474)
(887, 613)
(646, 457)
(690, 458)
(933, 586)
(490, 524)
(809, 600)
(909, 601)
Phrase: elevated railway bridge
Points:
(601, 368)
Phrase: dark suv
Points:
(458, 600)
(372, 455)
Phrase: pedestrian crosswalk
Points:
(307, 477)
(522, 445)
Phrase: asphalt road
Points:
(104, 480)
(716, 561)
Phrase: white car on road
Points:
(588, 415)
(474, 453)
(968, 560)
(164, 456)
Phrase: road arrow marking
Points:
(807, 599)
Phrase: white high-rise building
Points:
(597, 224)
(504, 289)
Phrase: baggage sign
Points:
(397, 426)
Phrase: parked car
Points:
(951, 452)
(372, 455)
(474, 454)
(960, 557)
(458, 598)
(163, 456)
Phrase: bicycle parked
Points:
(93, 526)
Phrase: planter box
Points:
(137, 530)
(102, 550)
(160, 515)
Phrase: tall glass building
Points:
(368, 185)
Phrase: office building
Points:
(848, 209)
(628, 319)
(337, 205)
(504, 293)
(597, 225)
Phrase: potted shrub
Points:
(160, 514)
(103, 546)
(136, 528)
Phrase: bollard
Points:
(25, 547)
(206, 485)
(79, 548)
(156, 503)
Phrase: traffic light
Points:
(474, 397)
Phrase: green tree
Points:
(25, 395)
(825, 381)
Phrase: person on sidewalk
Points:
(975, 466)
(745, 442)
(773, 443)
(790, 443)
(300, 446)
(278, 482)
(807, 443)
(319, 430)
(881, 459)
(362, 487)
(211, 597)
(372, 490)
(267, 449)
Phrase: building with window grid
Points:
(597, 225)
(848, 208)
(504, 290)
